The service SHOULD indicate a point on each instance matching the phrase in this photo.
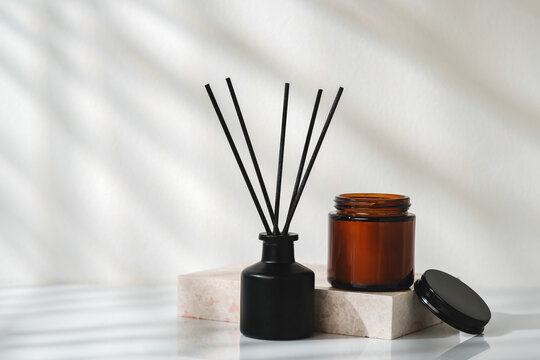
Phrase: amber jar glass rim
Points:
(372, 201)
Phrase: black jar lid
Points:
(453, 301)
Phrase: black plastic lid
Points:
(452, 301)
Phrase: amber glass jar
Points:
(371, 242)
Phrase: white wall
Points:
(113, 166)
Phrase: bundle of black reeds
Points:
(301, 177)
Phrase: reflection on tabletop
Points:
(507, 336)
(79, 322)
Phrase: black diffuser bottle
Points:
(277, 293)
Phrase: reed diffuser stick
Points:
(312, 161)
(237, 157)
(306, 147)
(280, 159)
(250, 148)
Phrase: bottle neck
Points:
(371, 205)
(278, 252)
(278, 248)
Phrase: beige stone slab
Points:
(215, 295)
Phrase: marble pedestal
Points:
(215, 295)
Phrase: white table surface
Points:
(90, 322)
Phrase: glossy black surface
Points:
(453, 301)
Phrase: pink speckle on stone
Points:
(234, 308)
(212, 301)
(189, 316)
